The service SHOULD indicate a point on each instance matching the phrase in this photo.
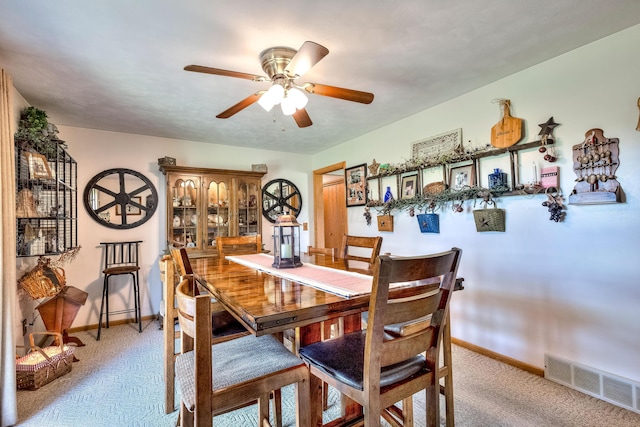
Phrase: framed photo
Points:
(435, 146)
(355, 180)
(409, 186)
(461, 176)
(38, 166)
(131, 210)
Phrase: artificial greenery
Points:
(33, 132)
(433, 202)
(424, 162)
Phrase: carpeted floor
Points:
(119, 382)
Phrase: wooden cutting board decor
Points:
(508, 131)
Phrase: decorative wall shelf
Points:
(46, 201)
(421, 201)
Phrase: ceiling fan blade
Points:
(309, 54)
(227, 73)
(251, 99)
(302, 118)
(339, 92)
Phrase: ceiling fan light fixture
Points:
(265, 102)
(272, 97)
(288, 106)
(299, 98)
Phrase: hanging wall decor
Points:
(429, 222)
(508, 131)
(120, 198)
(489, 219)
(595, 161)
(546, 138)
(554, 205)
(355, 179)
(385, 222)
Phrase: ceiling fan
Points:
(283, 65)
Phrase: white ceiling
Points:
(117, 65)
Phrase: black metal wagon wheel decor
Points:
(280, 196)
(120, 198)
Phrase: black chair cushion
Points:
(224, 324)
(343, 359)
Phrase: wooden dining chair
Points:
(214, 379)
(361, 249)
(377, 370)
(238, 245)
(224, 326)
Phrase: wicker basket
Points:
(43, 365)
(489, 219)
(42, 280)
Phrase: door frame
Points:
(318, 202)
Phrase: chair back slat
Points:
(332, 252)
(406, 310)
(117, 254)
(181, 261)
(403, 348)
(238, 245)
(383, 351)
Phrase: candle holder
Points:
(286, 242)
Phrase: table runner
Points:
(346, 284)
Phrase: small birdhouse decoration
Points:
(286, 242)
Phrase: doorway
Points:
(330, 210)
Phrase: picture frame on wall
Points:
(355, 181)
(461, 176)
(409, 186)
(38, 166)
(131, 210)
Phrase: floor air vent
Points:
(613, 389)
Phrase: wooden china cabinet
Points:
(203, 204)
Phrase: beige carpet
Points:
(119, 382)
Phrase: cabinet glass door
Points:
(248, 214)
(184, 217)
(217, 211)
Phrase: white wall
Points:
(569, 289)
(96, 151)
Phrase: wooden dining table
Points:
(268, 304)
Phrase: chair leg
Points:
(448, 379)
(186, 417)
(106, 300)
(105, 287)
(277, 407)
(432, 404)
(263, 409)
(303, 410)
(136, 292)
(407, 411)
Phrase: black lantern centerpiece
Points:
(286, 242)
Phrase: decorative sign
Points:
(549, 177)
(435, 146)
